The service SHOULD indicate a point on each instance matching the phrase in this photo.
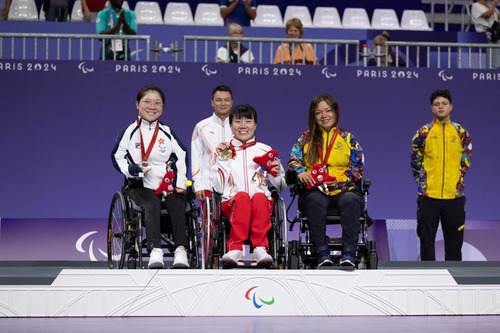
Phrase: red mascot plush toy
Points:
(167, 184)
(265, 161)
(320, 176)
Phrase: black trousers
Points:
(451, 213)
(176, 207)
(316, 205)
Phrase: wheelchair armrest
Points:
(190, 192)
(291, 177)
(292, 181)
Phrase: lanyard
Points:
(330, 147)
(145, 154)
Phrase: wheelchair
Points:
(301, 255)
(126, 227)
(216, 227)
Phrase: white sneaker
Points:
(232, 259)
(155, 258)
(180, 259)
(261, 257)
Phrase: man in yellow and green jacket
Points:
(441, 154)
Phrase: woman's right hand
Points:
(306, 178)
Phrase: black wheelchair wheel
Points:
(280, 243)
(373, 260)
(193, 230)
(116, 232)
(209, 243)
(294, 260)
(294, 255)
(372, 255)
(208, 236)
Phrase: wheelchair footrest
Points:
(337, 268)
(248, 265)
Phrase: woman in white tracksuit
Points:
(243, 184)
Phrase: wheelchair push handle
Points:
(189, 191)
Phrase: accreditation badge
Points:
(117, 45)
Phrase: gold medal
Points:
(226, 153)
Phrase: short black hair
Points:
(145, 89)
(440, 93)
(222, 88)
(243, 111)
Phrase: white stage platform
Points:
(249, 292)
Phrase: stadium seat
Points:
(23, 10)
(300, 12)
(208, 14)
(326, 17)
(385, 19)
(355, 18)
(148, 12)
(178, 13)
(77, 12)
(414, 20)
(268, 16)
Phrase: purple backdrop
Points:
(61, 118)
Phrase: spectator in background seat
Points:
(238, 11)
(235, 51)
(116, 20)
(386, 59)
(295, 53)
(483, 16)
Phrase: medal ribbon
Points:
(330, 147)
(145, 154)
(243, 146)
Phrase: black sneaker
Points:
(347, 260)
(324, 258)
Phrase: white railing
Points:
(335, 52)
(332, 52)
(443, 55)
(67, 46)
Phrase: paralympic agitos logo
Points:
(257, 301)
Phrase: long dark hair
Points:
(315, 136)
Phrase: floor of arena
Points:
(412, 324)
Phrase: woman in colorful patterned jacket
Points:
(329, 162)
